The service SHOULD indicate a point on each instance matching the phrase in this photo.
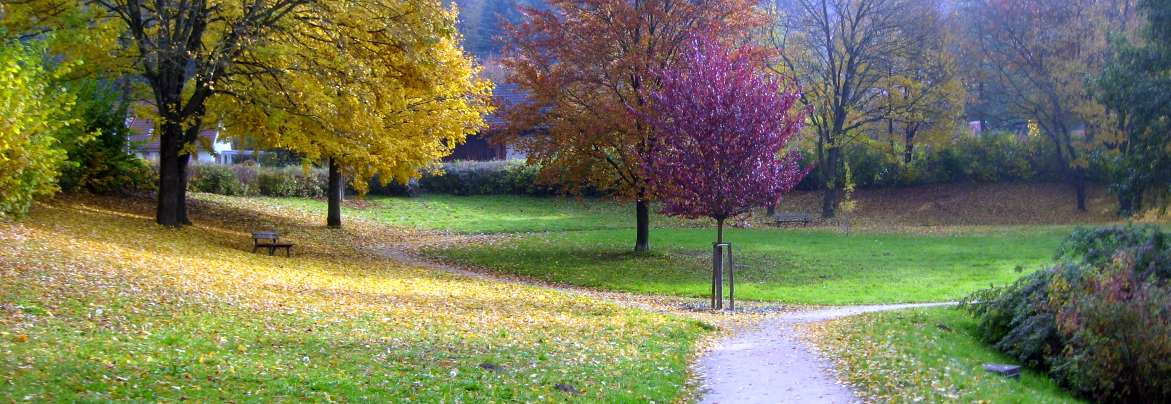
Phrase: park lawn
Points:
(488, 213)
(98, 303)
(925, 355)
(814, 266)
(588, 243)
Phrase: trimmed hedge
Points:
(1099, 321)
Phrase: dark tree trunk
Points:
(890, 135)
(642, 240)
(1079, 185)
(718, 267)
(833, 184)
(719, 231)
(909, 146)
(184, 177)
(1130, 202)
(172, 196)
(772, 208)
(334, 196)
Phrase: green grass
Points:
(98, 303)
(927, 355)
(488, 214)
(793, 266)
(588, 243)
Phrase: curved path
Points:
(771, 365)
(766, 363)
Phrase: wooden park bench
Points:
(271, 241)
(786, 218)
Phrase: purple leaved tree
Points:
(721, 129)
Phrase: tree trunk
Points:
(1079, 185)
(719, 231)
(829, 200)
(184, 177)
(334, 196)
(718, 267)
(772, 208)
(172, 196)
(909, 146)
(642, 211)
(1129, 202)
(890, 135)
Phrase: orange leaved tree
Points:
(587, 69)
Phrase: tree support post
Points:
(718, 254)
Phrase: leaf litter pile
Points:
(97, 302)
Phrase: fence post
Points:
(717, 276)
(731, 279)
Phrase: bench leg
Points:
(254, 248)
(271, 250)
(288, 252)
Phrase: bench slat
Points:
(792, 217)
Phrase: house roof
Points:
(143, 138)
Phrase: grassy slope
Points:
(488, 214)
(930, 355)
(795, 266)
(97, 303)
(587, 244)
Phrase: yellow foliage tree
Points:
(379, 87)
(380, 93)
(924, 94)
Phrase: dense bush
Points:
(34, 119)
(512, 177)
(292, 181)
(102, 164)
(249, 179)
(455, 178)
(216, 179)
(994, 157)
(1099, 321)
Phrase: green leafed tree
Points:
(35, 113)
(1136, 87)
(1042, 56)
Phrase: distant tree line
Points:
(908, 78)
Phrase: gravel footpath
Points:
(770, 364)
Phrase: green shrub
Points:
(276, 183)
(456, 178)
(216, 179)
(101, 164)
(992, 157)
(512, 177)
(142, 177)
(1099, 321)
(292, 181)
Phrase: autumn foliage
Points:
(587, 67)
(378, 87)
(722, 128)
